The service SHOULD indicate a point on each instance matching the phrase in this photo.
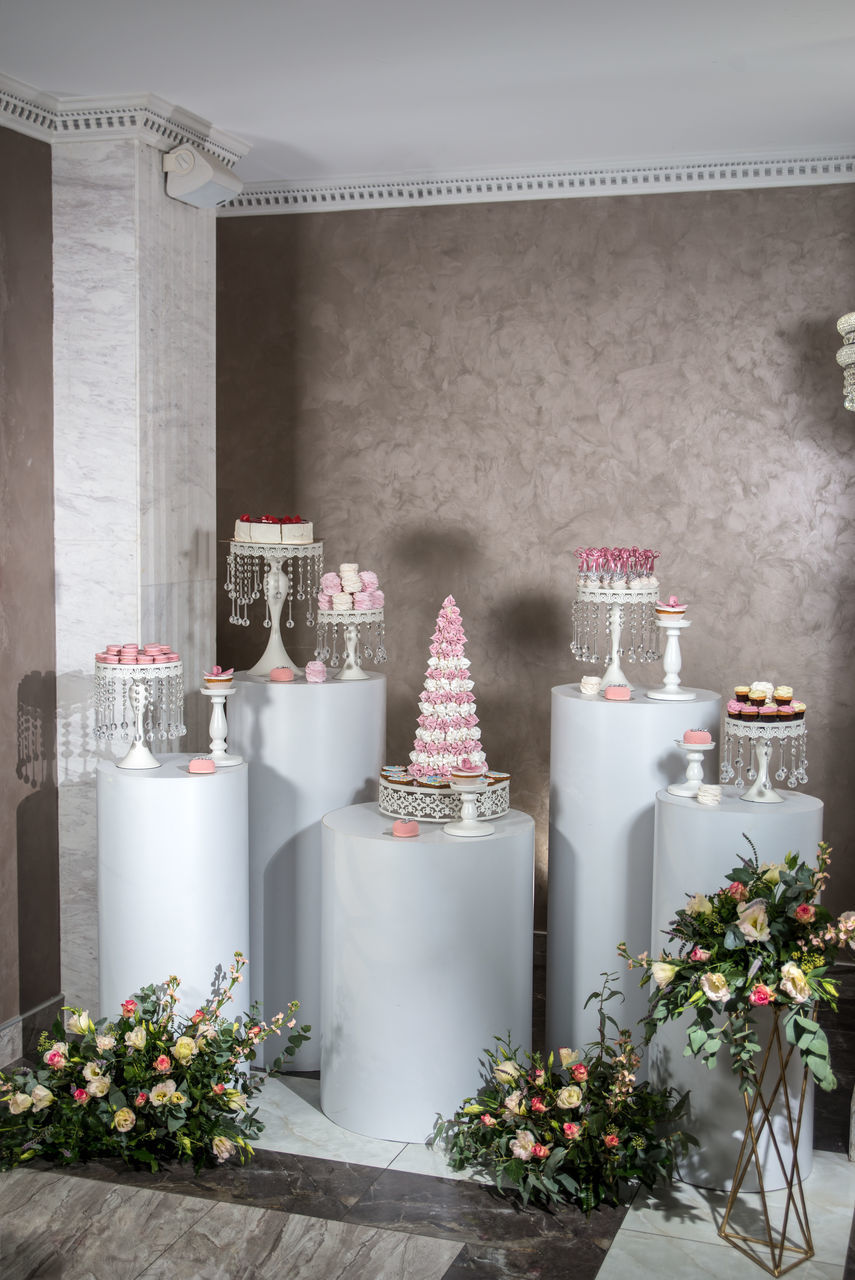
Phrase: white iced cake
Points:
(291, 530)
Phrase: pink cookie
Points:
(405, 830)
(617, 693)
(201, 764)
(281, 675)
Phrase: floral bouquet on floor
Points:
(574, 1132)
(761, 940)
(148, 1085)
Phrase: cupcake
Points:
(799, 710)
(740, 692)
(735, 709)
(217, 677)
(670, 608)
(782, 695)
(768, 714)
(761, 689)
(785, 713)
(750, 714)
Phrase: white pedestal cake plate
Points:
(608, 760)
(429, 932)
(312, 748)
(280, 573)
(695, 848)
(173, 878)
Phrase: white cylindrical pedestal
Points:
(173, 879)
(312, 748)
(608, 760)
(695, 848)
(426, 957)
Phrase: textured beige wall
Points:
(461, 396)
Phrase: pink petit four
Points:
(217, 676)
(617, 693)
(201, 764)
(697, 737)
(670, 608)
(405, 830)
(281, 675)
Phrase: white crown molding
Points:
(682, 175)
(144, 116)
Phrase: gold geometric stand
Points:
(787, 1242)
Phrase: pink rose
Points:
(611, 1140)
(571, 1130)
(129, 1007)
(805, 912)
(760, 994)
(80, 1096)
(699, 955)
(162, 1063)
(738, 891)
(489, 1122)
(537, 1104)
(579, 1071)
(55, 1059)
(197, 1016)
(540, 1151)
(218, 1088)
(141, 1099)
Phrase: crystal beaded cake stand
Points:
(789, 737)
(271, 570)
(695, 752)
(218, 727)
(670, 691)
(139, 704)
(468, 824)
(357, 625)
(612, 609)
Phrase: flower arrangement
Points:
(148, 1086)
(762, 940)
(574, 1132)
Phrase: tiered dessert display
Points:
(273, 556)
(351, 600)
(616, 589)
(447, 742)
(139, 698)
(766, 718)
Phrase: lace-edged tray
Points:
(439, 804)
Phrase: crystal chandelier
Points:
(846, 358)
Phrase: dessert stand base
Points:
(469, 826)
(440, 804)
(694, 768)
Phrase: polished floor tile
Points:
(290, 1109)
(635, 1253)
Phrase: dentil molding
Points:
(386, 192)
(142, 116)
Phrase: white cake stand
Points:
(670, 691)
(218, 727)
(468, 824)
(694, 768)
(281, 573)
(357, 625)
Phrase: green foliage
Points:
(764, 939)
(577, 1133)
(147, 1086)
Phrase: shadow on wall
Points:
(37, 844)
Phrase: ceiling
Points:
(326, 89)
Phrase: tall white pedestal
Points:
(608, 760)
(173, 878)
(311, 748)
(695, 847)
(426, 957)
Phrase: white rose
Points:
(569, 1096)
(42, 1097)
(772, 872)
(124, 1120)
(662, 972)
(20, 1102)
(135, 1039)
(514, 1103)
(714, 986)
(699, 905)
(793, 982)
(184, 1049)
(753, 921)
(506, 1072)
(98, 1087)
(80, 1022)
(105, 1042)
(161, 1093)
(522, 1144)
(91, 1071)
(568, 1056)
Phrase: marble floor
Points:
(319, 1203)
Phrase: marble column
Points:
(134, 441)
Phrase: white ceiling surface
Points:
(324, 89)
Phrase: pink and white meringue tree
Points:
(448, 732)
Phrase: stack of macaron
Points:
(764, 703)
(349, 590)
(132, 655)
(316, 672)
